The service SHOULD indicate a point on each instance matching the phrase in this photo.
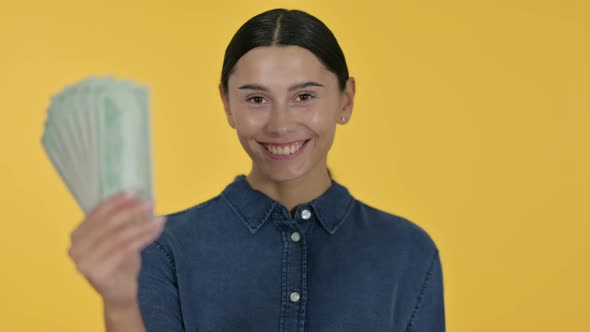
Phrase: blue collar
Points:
(253, 207)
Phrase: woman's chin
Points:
(278, 174)
(282, 175)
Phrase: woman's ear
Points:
(347, 100)
(226, 108)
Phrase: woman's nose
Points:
(281, 121)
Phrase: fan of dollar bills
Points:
(98, 137)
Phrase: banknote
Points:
(97, 136)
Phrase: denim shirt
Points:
(242, 262)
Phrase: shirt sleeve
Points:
(429, 311)
(158, 291)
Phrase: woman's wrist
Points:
(123, 317)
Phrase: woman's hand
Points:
(106, 246)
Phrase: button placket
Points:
(294, 255)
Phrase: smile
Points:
(285, 149)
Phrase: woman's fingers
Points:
(124, 244)
(91, 236)
(106, 245)
(101, 212)
(133, 244)
(121, 218)
(111, 203)
(120, 236)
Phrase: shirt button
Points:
(305, 214)
(295, 236)
(294, 297)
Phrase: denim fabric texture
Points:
(241, 262)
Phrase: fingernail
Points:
(129, 193)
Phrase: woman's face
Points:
(285, 105)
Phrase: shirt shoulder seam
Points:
(420, 296)
(164, 252)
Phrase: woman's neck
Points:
(292, 193)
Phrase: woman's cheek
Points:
(251, 120)
(319, 119)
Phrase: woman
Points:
(284, 248)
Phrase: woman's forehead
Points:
(280, 65)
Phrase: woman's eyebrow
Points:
(258, 87)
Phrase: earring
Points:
(343, 119)
(231, 124)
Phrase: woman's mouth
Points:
(284, 150)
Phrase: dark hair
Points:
(286, 27)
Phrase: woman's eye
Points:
(256, 100)
(304, 97)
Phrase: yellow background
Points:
(472, 120)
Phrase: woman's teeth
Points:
(283, 149)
